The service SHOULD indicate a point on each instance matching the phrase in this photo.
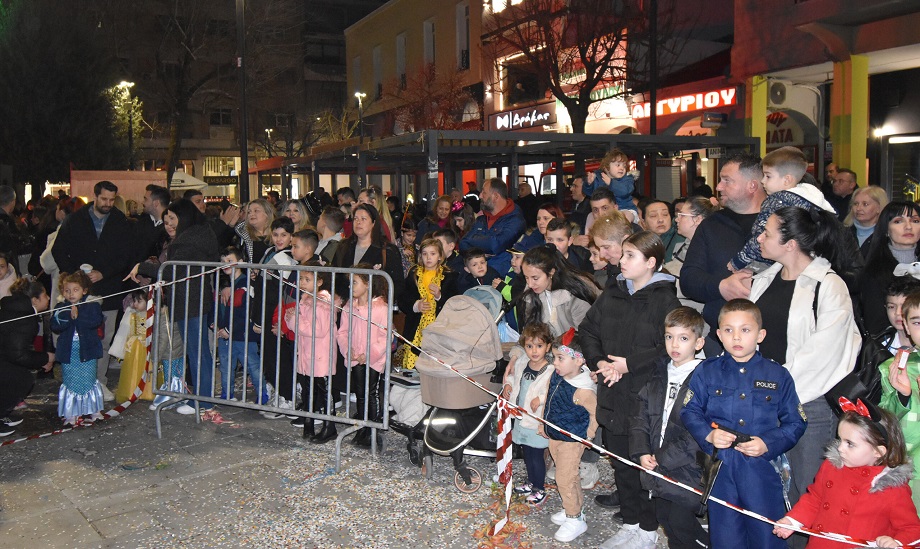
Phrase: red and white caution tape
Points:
(503, 460)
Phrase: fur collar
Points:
(888, 478)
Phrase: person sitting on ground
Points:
(18, 358)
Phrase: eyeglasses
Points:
(687, 215)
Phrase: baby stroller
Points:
(461, 420)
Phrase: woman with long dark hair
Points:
(808, 316)
(556, 293)
(894, 241)
(190, 302)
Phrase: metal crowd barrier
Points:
(200, 319)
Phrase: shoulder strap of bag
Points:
(814, 304)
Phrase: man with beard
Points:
(498, 228)
(704, 276)
(99, 237)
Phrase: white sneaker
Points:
(571, 529)
(185, 410)
(107, 395)
(623, 538)
(558, 518)
(645, 539)
(589, 475)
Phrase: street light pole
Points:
(126, 88)
(268, 146)
(360, 96)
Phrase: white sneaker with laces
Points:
(623, 538)
(645, 539)
(185, 410)
(558, 518)
(589, 475)
(571, 529)
(107, 395)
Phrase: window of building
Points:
(428, 41)
(463, 36)
(221, 117)
(401, 59)
(219, 165)
(378, 71)
(282, 119)
(522, 84)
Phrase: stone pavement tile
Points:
(22, 499)
(127, 524)
(59, 528)
(123, 501)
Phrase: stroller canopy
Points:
(463, 335)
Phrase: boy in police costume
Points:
(746, 393)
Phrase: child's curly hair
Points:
(77, 277)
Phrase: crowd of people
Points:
(675, 333)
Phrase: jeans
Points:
(239, 351)
(102, 365)
(200, 362)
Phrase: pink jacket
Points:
(355, 335)
(320, 332)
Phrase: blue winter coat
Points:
(497, 240)
(86, 325)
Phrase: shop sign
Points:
(528, 117)
(688, 103)
(783, 130)
(220, 180)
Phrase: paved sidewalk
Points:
(253, 483)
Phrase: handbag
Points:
(864, 382)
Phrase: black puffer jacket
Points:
(678, 456)
(196, 243)
(631, 326)
(17, 337)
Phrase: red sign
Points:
(687, 103)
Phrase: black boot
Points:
(328, 431)
(374, 409)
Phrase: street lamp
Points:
(126, 86)
(268, 148)
(360, 96)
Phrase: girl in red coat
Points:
(861, 489)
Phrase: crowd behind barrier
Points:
(306, 337)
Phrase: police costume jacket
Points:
(819, 353)
(678, 455)
(756, 397)
(863, 502)
(630, 325)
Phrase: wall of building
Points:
(411, 19)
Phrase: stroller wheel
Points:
(414, 457)
(427, 469)
(474, 483)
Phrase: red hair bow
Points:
(859, 407)
(568, 337)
